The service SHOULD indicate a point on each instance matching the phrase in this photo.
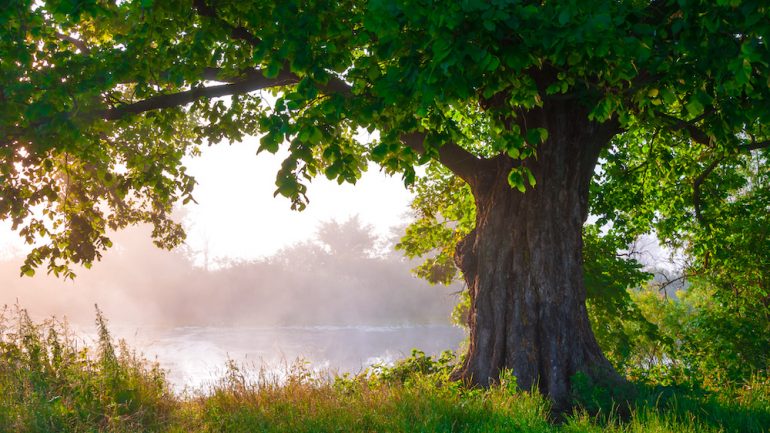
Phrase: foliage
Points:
(444, 213)
(418, 365)
(705, 343)
(101, 100)
(717, 219)
(715, 331)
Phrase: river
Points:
(195, 357)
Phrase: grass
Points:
(50, 384)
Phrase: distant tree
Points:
(349, 237)
(520, 101)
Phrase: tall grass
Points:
(49, 382)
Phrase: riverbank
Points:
(48, 383)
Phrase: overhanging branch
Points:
(253, 81)
(236, 32)
(695, 132)
(458, 160)
(455, 158)
(80, 45)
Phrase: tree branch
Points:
(76, 42)
(240, 32)
(698, 182)
(455, 158)
(696, 189)
(695, 133)
(755, 145)
(334, 85)
(458, 160)
(254, 80)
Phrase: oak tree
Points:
(523, 102)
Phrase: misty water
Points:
(197, 356)
(340, 302)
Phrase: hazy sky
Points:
(238, 217)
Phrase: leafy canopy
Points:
(101, 100)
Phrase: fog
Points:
(340, 301)
(344, 276)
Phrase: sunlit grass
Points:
(51, 383)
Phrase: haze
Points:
(250, 270)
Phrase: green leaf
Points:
(272, 70)
(537, 135)
(379, 152)
(270, 142)
(316, 136)
(530, 176)
(516, 180)
(668, 96)
(27, 271)
(441, 48)
(694, 107)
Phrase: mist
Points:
(344, 276)
(341, 301)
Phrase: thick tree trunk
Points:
(523, 264)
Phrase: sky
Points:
(237, 217)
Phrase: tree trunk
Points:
(523, 263)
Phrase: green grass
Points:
(48, 383)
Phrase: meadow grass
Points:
(51, 383)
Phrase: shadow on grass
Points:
(743, 409)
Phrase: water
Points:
(195, 357)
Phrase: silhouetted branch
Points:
(695, 132)
(696, 188)
(458, 160)
(76, 42)
(252, 82)
(236, 32)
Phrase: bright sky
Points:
(238, 217)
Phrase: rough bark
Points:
(523, 263)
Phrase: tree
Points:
(518, 100)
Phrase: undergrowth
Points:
(51, 382)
